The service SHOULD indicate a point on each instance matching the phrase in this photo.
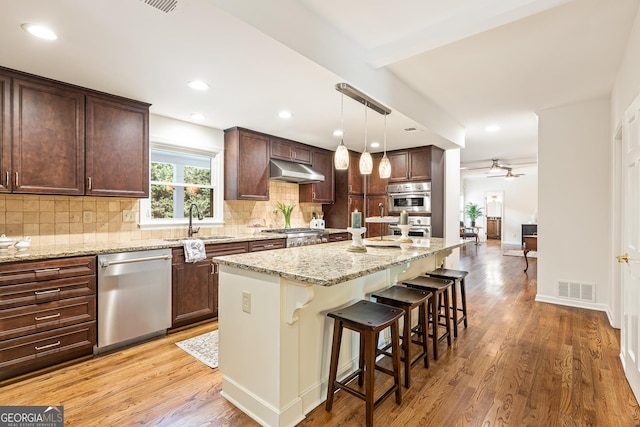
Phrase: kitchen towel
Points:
(194, 250)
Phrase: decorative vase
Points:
(473, 222)
(287, 221)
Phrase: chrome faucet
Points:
(200, 217)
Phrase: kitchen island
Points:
(274, 335)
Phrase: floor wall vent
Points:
(576, 290)
(164, 5)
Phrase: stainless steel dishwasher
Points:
(134, 297)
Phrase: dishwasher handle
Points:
(104, 262)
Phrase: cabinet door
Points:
(192, 292)
(289, 150)
(375, 184)
(48, 139)
(320, 192)
(5, 133)
(399, 166)
(356, 180)
(253, 167)
(117, 146)
(373, 209)
(420, 164)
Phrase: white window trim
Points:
(145, 221)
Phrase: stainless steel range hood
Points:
(282, 170)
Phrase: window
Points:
(178, 178)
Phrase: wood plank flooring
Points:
(520, 363)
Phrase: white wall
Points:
(520, 202)
(452, 204)
(575, 180)
(171, 131)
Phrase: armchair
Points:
(468, 232)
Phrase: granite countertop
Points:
(60, 251)
(329, 264)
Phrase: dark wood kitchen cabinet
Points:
(117, 148)
(285, 149)
(349, 195)
(58, 138)
(246, 165)
(5, 132)
(267, 245)
(373, 209)
(194, 295)
(413, 164)
(47, 139)
(375, 184)
(320, 192)
(47, 313)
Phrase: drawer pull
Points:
(48, 270)
(52, 316)
(50, 291)
(44, 347)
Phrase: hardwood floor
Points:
(519, 363)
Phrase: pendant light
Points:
(341, 157)
(366, 162)
(385, 165)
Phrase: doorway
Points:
(493, 204)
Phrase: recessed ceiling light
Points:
(284, 114)
(198, 85)
(492, 128)
(375, 144)
(337, 132)
(40, 31)
(197, 116)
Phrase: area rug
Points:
(203, 347)
(520, 252)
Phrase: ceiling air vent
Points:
(411, 130)
(164, 5)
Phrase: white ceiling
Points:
(445, 68)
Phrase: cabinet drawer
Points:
(15, 322)
(267, 245)
(212, 250)
(338, 237)
(39, 292)
(36, 351)
(22, 272)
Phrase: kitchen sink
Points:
(217, 237)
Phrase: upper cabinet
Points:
(246, 165)
(289, 150)
(375, 184)
(46, 148)
(320, 192)
(117, 144)
(47, 140)
(413, 164)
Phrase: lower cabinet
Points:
(338, 237)
(47, 313)
(194, 295)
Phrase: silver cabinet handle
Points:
(47, 270)
(89, 183)
(50, 291)
(7, 178)
(44, 347)
(16, 179)
(53, 316)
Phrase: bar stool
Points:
(368, 319)
(457, 276)
(439, 289)
(407, 299)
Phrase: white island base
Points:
(275, 337)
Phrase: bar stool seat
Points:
(408, 299)
(439, 289)
(368, 319)
(458, 276)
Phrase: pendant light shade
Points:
(341, 157)
(385, 165)
(366, 162)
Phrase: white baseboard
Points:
(574, 303)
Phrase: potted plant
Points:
(473, 211)
(286, 211)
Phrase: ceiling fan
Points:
(509, 176)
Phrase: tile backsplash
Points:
(59, 220)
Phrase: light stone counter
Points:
(98, 248)
(330, 264)
(274, 333)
